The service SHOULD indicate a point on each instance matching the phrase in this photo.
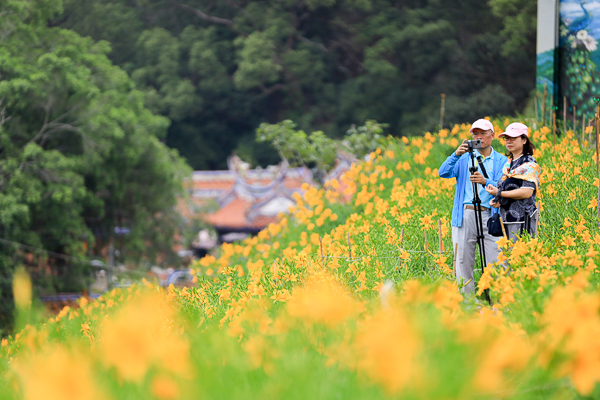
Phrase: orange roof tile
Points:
(232, 214)
(224, 184)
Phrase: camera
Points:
(474, 144)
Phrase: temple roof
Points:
(250, 199)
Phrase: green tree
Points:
(519, 19)
(316, 150)
(219, 69)
(80, 154)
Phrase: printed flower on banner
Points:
(582, 38)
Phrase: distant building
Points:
(248, 200)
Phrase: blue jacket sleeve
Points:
(498, 170)
(449, 168)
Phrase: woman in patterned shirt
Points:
(516, 190)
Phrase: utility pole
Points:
(442, 111)
(544, 105)
(597, 120)
(111, 264)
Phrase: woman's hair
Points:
(528, 147)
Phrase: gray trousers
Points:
(464, 240)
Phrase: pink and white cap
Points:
(482, 124)
(515, 129)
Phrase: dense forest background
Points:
(217, 69)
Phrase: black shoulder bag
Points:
(494, 225)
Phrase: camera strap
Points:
(480, 162)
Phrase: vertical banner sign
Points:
(547, 53)
(568, 59)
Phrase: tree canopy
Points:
(217, 69)
(80, 153)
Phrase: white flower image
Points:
(582, 35)
(590, 43)
(582, 39)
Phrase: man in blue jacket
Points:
(464, 230)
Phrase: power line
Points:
(51, 253)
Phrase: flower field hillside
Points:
(351, 296)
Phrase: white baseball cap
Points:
(482, 124)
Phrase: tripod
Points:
(479, 218)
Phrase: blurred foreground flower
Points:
(572, 328)
(164, 388)
(322, 300)
(143, 335)
(509, 351)
(57, 374)
(388, 350)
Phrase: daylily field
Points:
(351, 296)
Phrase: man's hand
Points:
(494, 204)
(462, 149)
(478, 178)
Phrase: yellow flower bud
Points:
(22, 289)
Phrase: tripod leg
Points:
(479, 225)
(484, 252)
(481, 245)
(480, 236)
